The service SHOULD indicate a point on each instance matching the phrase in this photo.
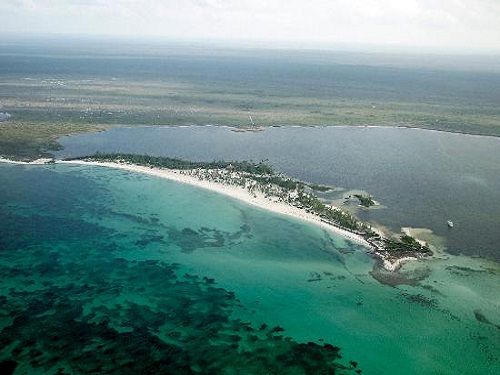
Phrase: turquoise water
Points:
(109, 271)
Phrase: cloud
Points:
(438, 23)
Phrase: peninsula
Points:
(258, 184)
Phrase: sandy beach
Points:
(396, 264)
(34, 162)
(258, 200)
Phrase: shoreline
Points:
(317, 126)
(40, 161)
(256, 199)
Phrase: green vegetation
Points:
(187, 101)
(28, 140)
(321, 188)
(278, 180)
(326, 212)
(365, 201)
(406, 245)
(173, 163)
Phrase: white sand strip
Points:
(258, 200)
(34, 162)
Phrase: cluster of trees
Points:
(365, 201)
(321, 188)
(405, 245)
(283, 182)
(341, 218)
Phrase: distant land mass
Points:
(53, 88)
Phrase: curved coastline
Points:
(257, 199)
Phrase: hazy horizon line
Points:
(245, 43)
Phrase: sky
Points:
(435, 24)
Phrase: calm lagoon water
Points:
(422, 178)
(109, 271)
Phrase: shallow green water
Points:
(109, 271)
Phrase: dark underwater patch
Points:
(189, 239)
(90, 311)
(467, 271)
(8, 367)
(149, 239)
(420, 299)
(481, 318)
(401, 277)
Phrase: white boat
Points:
(450, 223)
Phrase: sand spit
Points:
(256, 199)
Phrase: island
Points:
(259, 184)
(365, 200)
